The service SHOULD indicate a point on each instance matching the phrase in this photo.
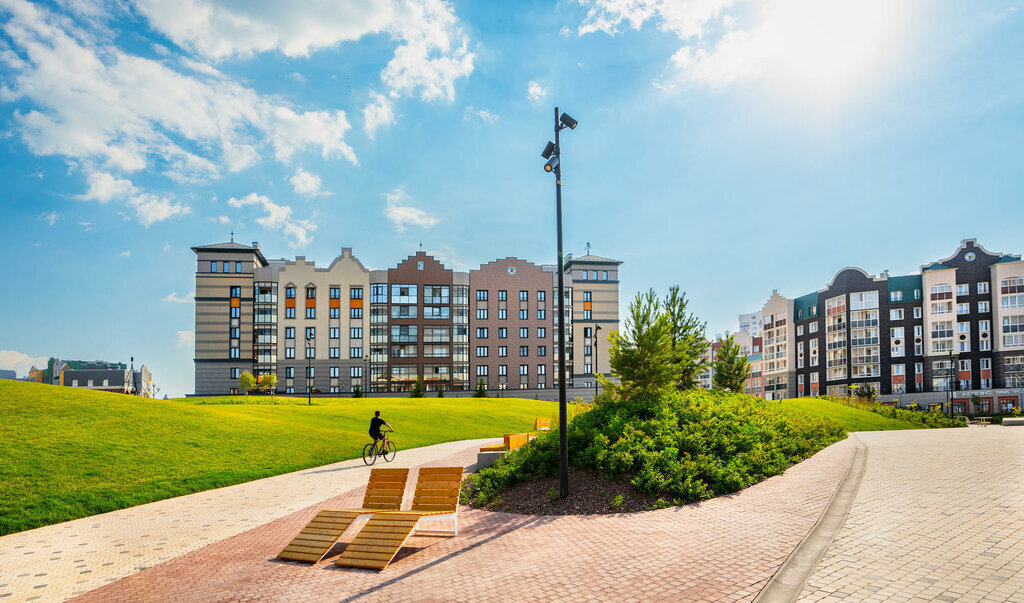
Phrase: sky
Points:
(732, 147)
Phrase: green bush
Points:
(927, 419)
(688, 446)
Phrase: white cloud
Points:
(103, 187)
(565, 31)
(535, 91)
(94, 103)
(431, 53)
(481, 114)
(278, 217)
(380, 112)
(150, 208)
(306, 183)
(297, 77)
(125, 254)
(401, 215)
(186, 338)
(184, 299)
(20, 363)
(685, 19)
(221, 220)
(87, 226)
(51, 218)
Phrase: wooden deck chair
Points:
(384, 492)
(437, 497)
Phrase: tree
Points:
(440, 391)
(731, 367)
(268, 382)
(643, 356)
(481, 389)
(357, 392)
(247, 382)
(688, 341)
(417, 388)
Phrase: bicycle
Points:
(383, 447)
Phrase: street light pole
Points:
(309, 384)
(552, 153)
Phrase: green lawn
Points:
(852, 419)
(67, 453)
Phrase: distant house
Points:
(6, 374)
(120, 381)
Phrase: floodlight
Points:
(548, 150)
(551, 164)
(568, 122)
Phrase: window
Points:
(213, 266)
(524, 350)
(864, 300)
(1013, 331)
(524, 332)
(289, 352)
(962, 290)
(895, 296)
(355, 372)
(335, 292)
(588, 315)
(481, 313)
(311, 352)
(524, 369)
(985, 364)
(502, 351)
(481, 295)
(481, 332)
(898, 350)
(502, 295)
(289, 292)
(542, 369)
(481, 351)
(502, 332)
(604, 275)
(355, 333)
(355, 293)
(310, 332)
(917, 312)
(799, 330)
(896, 332)
(963, 327)
(289, 372)
(289, 390)
(983, 288)
(984, 307)
(334, 332)
(233, 353)
(335, 352)
(356, 312)
(942, 292)
(917, 294)
(586, 296)
(985, 345)
(1013, 301)
(542, 332)
(378, 293)
(355, 352)
(334, 372)
(541, 314)
(917, 330)
(524, 314)
(481, 370)
(289, 312)
(335, 312)
(541, 295)
(235, 332)
(812, 328)
(502, 370)
(289, 333)
(963, 308)
(310, 292)
(502, 314)
(310, 372)
(310, 312)
(964, 346)
(236, 292)
(542, 350)
(236, 312)
(896, 314)
(942, 307)
(234, 373)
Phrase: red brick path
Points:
(721, 550)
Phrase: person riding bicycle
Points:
(375, 424)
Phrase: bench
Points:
(542, 424)
(983, 421)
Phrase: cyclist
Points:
(375, 424)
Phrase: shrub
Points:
(357, 392)
(417, 389)
(481, 389)
(910, 414)
(440, 391)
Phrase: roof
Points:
(115, 377)
(936, 266)
(804, 305)
(1007, 258)
(907, 284)
(232, 246)
(591, 259)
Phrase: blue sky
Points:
(731, 147)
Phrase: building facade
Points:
(954, 330)
(334, 328)
(751, 324)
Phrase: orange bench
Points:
(542, 424)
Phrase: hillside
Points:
(67, 453)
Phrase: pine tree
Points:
(688, 338)
(357, 392)
(731, 367)
(642, 356)
(481, 389)
(417, 388)
(440, 391)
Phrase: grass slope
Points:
(852, 419)
(67, 453)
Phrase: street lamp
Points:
(552, 153)
(597, 328)
(309, 364)
(952, 381)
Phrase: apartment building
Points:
(958, 324)
(751, 324)
(332, 328)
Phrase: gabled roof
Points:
(591, 259)
(936, 266)
(1007, 258)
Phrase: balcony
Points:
(860, 324)
(836, 345)
(864, 341)
(857, 360)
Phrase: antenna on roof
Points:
(421, 245)
(588, 247)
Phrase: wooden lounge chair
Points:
(437, 497)
(384, 492)
(542, 424)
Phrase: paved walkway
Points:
(939, 516)
(721, 550)
(59, 561)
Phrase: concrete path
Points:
(939, 516)
(59, 561)
(724, 549)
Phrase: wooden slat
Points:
(441, 470)
(294, 556)
(305, 549)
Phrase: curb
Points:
(792, 576)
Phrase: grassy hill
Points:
(852, 419)
(67, 453)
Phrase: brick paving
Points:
(54, 563)
(720, 550)
(939, 517)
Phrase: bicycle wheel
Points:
(370, 454)
(389, 451)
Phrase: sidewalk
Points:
(60, 561)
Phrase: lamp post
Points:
(364, 383)
(597, 328)
(552, 153)
(952, 381)
(309, 383)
